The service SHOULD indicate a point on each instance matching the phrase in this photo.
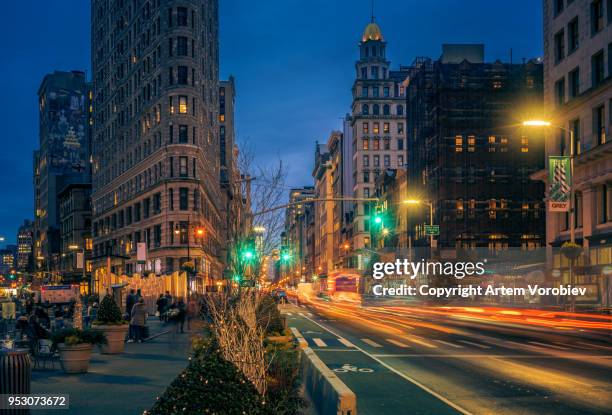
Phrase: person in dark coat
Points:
(130, 301)
(161, 306)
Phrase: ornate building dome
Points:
(372, 32)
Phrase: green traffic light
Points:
(237, 278)
(248, 254)
(286, 257)
(377, 219)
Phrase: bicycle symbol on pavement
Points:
(350, 368)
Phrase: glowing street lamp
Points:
(545, 123)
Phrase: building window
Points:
(137, 212)
(157, 236)
(366, 127)
(400, 143)
(146, 208)
(603, 204)
(182, 75)
(572, 35)
(386, 110)
(559, 45)
(181, 46)
(560, 92)
(365, 109)
(375, 91)
(366, 161)
(376, 144)
(171, 199)
(366, 177)
(183, 139)
(597, 22)
(156, 203)
(376, 161)
(458, 143)
(184, 233)
(599, 126)
(364, 73)
(171, 76)
(183, 198)
(387, 144)
(376, 128)
(558, 7)
(183, 166)
(575, 127)
(386, 128)
(387, 160)
(574, 83)
(597, 65)
(171, 105)
(366, 192)
(400, 110)
(376, 109)
(181, 16)
(374, 72)
(386, 92)
(365, 144)
(400, 128)
(364, 91)
(400, 160)
(182, 104)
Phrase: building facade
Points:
(378, 126)
(324, 210)
(469, 154)
(75, 232)
(156, 170)
(25, 241)
(62, 158)
(578, 99)
(299, 235)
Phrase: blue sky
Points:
(293, 61)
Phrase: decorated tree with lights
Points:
(109, 312)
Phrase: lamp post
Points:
(199, 232)
(543, 123)
(420, 202)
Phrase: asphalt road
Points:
(404, 361)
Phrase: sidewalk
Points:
(121, 384)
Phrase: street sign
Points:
(141, 252)
(432, 230)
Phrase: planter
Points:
(75, 358)
(115, 337)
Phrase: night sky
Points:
(293, 61)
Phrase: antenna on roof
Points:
(372, 4)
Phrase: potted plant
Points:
(111, 323)
(75, 346)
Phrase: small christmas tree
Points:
(109, 312)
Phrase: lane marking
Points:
(402, 375)
(371, 343)
(319, 342)
(397, 343)
(549, 345)
(327, 349)
(420, 341)
(345, 342)
(482, 346)
(490, 356)
(456, 346)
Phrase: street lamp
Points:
(544, 123)
(412, 202)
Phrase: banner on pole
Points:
(141, 252)
(560, 182)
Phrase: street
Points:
(406, 360)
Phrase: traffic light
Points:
(285, 254)
(248, 252)
(12, 275)
(237, 278)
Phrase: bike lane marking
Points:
(382, 381)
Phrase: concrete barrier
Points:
(329, 394)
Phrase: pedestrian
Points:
(138, 294)
(182, 307)
(138, 320)
(161, 306)
(192, 310)
(169, 302)
(130, 300)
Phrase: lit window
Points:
(366, 128)
(365, 144)
(386, 128)
(376, 128)
(503, 140)
(182, 104)
(222, 118)
(471, 140)
(491, 139)
(524, 149)
(458, 140)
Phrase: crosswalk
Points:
(411, 341)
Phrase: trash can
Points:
(15, 376)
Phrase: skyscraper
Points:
(63, 156)
(378, 126)
(24, 246)
(156, 172)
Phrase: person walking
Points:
(130, 300)
(192, 310)
(161, 306)
(138, 320)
